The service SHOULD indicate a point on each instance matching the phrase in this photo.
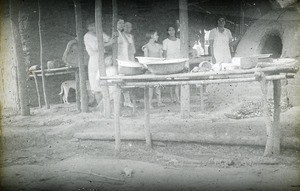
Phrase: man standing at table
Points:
(220, 40)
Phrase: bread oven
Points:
(276, 33)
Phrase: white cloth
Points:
(172, 48)
(221, 45)
(131, 46)
(91, 45)
(123, 45)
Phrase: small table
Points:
(272, 73)
(55, 72)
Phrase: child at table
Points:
(153, 49)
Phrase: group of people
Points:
(220, 40)
(170, 49)
(126, 51)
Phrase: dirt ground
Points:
(41, 152)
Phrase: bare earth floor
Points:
(53, 150)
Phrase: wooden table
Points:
(274, 74)
(55, 72)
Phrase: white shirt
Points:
(172, 48)
(221, 45)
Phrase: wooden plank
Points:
(81, 81)
(276, 116)
(199, 82)
(117, 110)
(281, 69)
(41, 57)
(147, 117)
(101, 63)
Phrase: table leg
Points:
(147, 117)
(37, 89)
(117, 111)
(185, 101)
(133, 92)
(269, 144)
(78, 100)
(202, 97)
(276, 116)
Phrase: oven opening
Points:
(272, 45)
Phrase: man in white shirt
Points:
(220, 40)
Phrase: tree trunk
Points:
(114, 30)
(82, 72)
(19, 54)
(41, 57)
(101, 63)
(184, 52)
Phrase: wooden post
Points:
(147, 117)
(276, 116)
(242, 18)
(41, 58)
(83, 98)
(266, 115)
(37, 89)
(202, 39)
(117, 110)
(184, 52)
(102, 68)
(77, 89)
(202, 97)
(114, 31)
(133, 94)
(19, 54)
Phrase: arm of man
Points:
(107, 41)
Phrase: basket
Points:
(165, 67)
(129, 68)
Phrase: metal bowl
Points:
(145, 60)
(130, 68)
(165, 67)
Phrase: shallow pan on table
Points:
(165, 67)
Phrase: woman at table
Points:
(153, 49)
(123, 54)
(130, 39)
(171, 50)
(91, 45)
